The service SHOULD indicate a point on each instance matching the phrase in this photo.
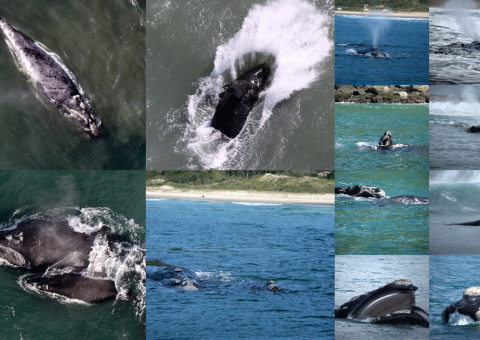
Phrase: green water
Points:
(114, 198)
(103, 44)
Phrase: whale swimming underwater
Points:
(57, 255)
(469, 305)
(50, 78)
(393, 303)
(237, 101)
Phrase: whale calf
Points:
(50, 78)
(237, 100)
(468, 305)
(393, 303)
(49, 247)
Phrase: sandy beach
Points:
(419, 15)
(241, 196)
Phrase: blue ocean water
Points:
(404, 40)
(370, 226)
(358, 128)
(231, 246)
(449, 277)
(358, 274)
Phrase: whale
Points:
(178, 277)
(373, 52)
(386, 142)
(469, 305)
(470, 223)
(51, 78)
(237, 101)
(474, 129)
(393, 303)
(55, 254)
(361, 191)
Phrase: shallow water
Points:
(371, 226)
(232, 246)
(89, 200)
(359, 127)
(404, 40)
(356, 275)
(197, 47)
(103, 45)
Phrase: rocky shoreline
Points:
(413, 94)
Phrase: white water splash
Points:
(379, 24)
(463, 11)
(454, 176)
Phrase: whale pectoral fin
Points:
(76, 286)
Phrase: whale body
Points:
(44, 247)
(50, 78)
(373, 52)
(386, 142)
(361, 191)
(468, 305)
(237, 101)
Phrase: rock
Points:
(358, 92)
(419, 88)
(379, 89)
(402, 94)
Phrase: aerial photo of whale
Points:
(72, 89)
(70, 244)
(208, 106)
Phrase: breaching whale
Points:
(361, 191)
(373, 52)
(393, 303)
(50, 78)
(468, 305)
(57, 254)
(237, 100)
(386, 142)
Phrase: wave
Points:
(257, 204)
(454, 176)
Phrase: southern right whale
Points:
(386, 142)
(237, 101)
(374, 52)
(393, 303)
(375, 192)
(57, 255)
(50, 78)
(469, 305)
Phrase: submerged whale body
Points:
(474, 129)
(469, 305)
(237, 101)
(361, 191)
(393, 303)
(373, 52)
(176, 277)
(41, 245)
(50, 78)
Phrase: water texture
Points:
(231, 246)
(404, 40)
(370, 226)
(356, 275)
(197, 47)
(90, 201)
(103, 45)
(359, 128)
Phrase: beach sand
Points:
(241, 196)
(420, 15)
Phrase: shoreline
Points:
(415, 15)
(243, 196)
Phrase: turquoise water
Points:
(103, 44)
(370, 226)
(89, 200)
(359, 274)
(232, 246)
(358, 128)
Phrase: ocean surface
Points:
(103, 44)
(449, 277)
(451, 147)
(450, 27)
(359, 127)
(369, 226)
(232, 246)
(404, 40)
(454, 200)
(196, 47)
(356, 275)
(90, 201)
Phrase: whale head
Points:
(257, 76)
(386, 139)
(78, 107)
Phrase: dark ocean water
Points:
(356, 275)
(89, 200)
(358, 128)
(449, 277)
(370, 226)
(454, 202)
(103, 44)
(195, 47)
(450, 27)
(232, 246)
(404, 40)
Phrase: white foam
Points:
(257, 204)
(463, 11)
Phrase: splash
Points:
(455, 176)
(378, 24)
(467, 105)
(462, 10)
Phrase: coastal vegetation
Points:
(395, 5)
(314, 182)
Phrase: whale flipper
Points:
(50, 77)
(237, 101)
(469, 305)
